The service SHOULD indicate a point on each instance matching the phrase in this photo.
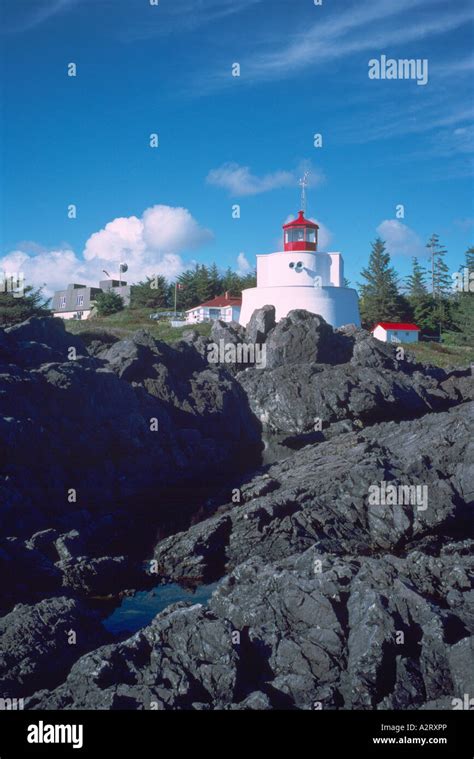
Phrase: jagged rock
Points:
(197, 341)
(219, 351)
(198, 397)
(290, 399)
(35, 650)
(330, 596)
(317, 374)
(261, 323)
(27, 574)
(44, 542)
(184, 657)
(344, 632)
(205, 553)
(107, 575)
(321, 495)
(77, 426)
(41, 339)
(69, 545)
(302, 338)
(229, 332)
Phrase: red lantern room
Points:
(300, 234)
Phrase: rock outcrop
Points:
(334, 380)
(345, 568)
(85, 436)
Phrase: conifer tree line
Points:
(440, 304)
(195, 286)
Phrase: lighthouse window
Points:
(296, 235)
(311, 235)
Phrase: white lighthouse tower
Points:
(300, 276)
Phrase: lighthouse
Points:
(301, 276)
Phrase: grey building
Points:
(76, 302)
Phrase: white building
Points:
(396, 332)
(302, 277)
(224, 307)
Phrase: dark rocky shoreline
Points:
(324, 598)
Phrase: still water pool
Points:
(137, 611)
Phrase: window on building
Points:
(62, 301)
(300, 234)
(80, 300)
(214, 313)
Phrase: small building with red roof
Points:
(396, 332)
(224, 307)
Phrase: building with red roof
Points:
(224, 307)
(396, 332)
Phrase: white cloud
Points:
(149, 245)
(400, 239)
(53, 268)
(239, 180)
(166, 228)
(357, 28)
(243, 266)
(324, 235)
(120, 239)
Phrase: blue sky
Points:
(225, 140)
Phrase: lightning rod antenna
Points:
(303, 182)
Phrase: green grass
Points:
(126, 322)
(440, 354)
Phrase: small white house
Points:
(224, 307)
(396, 332)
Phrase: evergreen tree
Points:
(14, 309)
(440, 278)
(108, 303)
(249, 280)
(463, 310)
(151, 293)
(203, 283)
(420, 301)
(187, 295)
(231, 283)
(215, 281)
(470, 260)
(416, 284)
(380, 299)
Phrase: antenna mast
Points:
(303, 182)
